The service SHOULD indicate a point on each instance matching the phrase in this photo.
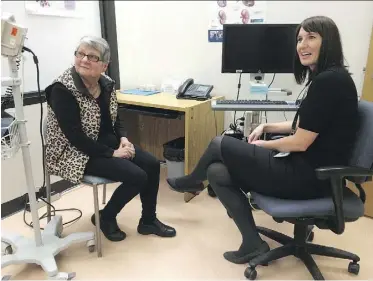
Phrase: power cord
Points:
(36, 61)
(234, 126)
(42, 192)
(269, 86)
(53, 213)
(285, 116)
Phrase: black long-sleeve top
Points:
(330, 109)
(67, 111)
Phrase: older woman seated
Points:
(83, 137)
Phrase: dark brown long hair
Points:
(331, 52)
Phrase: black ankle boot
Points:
(155, 227)
(110, 229)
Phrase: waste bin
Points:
(173, 152)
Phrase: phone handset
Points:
(184, 87)
(189, 90)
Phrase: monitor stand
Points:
(257, 77)
(257, 85)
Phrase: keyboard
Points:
(249, 102)
(254, 105)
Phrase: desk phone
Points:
(189, 90)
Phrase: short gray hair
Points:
(99, 44)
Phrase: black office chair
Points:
(326, 213)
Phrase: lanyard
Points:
(294, 124)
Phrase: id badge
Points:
(281, 154)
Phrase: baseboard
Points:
(18, 204)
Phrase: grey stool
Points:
(94, 182)
(89, 180)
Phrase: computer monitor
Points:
(258, 48)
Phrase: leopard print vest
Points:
(63, 159)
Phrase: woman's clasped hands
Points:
(125, 150)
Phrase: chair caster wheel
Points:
(64, 276)
(8, 250)
(311, 236)
(354, 268)
(250, 273)
(91, 246)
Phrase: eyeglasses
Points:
(92, 58)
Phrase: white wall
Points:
(53, 40)
(158, 39)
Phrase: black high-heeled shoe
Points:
(240, 258)
(192, 188)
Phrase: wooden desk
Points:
(368, 95)
(196, 121)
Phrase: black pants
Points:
(140, 175)
(253, 168)
(234, 167)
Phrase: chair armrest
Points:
(277, 137)
(336, 175)
(324, 173)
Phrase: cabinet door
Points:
(368, 188)
(368, 95)
(368, 79)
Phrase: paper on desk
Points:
(139, 92)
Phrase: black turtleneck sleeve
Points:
(67, 112)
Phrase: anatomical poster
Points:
(237, 12)
(68, 8)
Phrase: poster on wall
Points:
(67, 8)
(234, 12)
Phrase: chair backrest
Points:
(362, 154)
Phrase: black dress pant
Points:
(138, 176)
(253, 168)
(233, 166)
